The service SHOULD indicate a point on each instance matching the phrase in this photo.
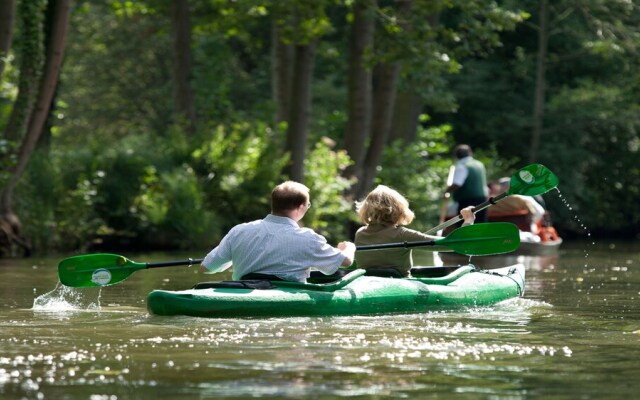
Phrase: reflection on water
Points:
(574, 335)
(275, 357)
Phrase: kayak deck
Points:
(353, 294)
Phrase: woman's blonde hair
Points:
(386, 206)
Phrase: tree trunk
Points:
(281, 74)
(47, 87)
(182, 90)
(300, 109)
(31, 13)
(407, 110)
(7, 16)
(359, 90)
(44, 141)
(409, 105)
(32, 16)
(385, 82)
(539, 96)
(384, 97)
(11, 236)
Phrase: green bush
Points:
(170, 212)
(237, 167)
(240, 164)
(57, 216)
(330, 212)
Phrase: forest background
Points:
(161, 124)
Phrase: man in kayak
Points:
(384, 212)
(277, 245)
(469, 185)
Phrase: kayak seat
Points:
(244, 284)
(258, 276)
(316, 276)
(319, 277)
(447, 279)
(432, 272)
(384, 272)
(323, 287)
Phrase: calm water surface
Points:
(575, 335)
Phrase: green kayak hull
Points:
(354, 294)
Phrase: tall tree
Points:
(385, 81)
(7, 16)
(281, 71)
(409, 104)
(302, 26)
(182, 91)
(359, 87)
(300, 109)
(31, 59)
(540, 82)
(37, 118)
(385, 78)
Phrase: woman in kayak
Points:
(385, 212)
(277, 246)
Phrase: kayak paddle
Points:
(532, 180)
(103, 269)
(471, 240)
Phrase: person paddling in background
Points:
(469, 184)
(277, 245)
(516, 204)
(385, 212)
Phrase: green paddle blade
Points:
(92, 270)
(483, 239)
(532, 180)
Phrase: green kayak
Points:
(352, 294)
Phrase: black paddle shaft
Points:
(476, 209)
(188, 262)
(397, 245)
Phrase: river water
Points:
(574, 335)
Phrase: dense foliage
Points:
(116, 169)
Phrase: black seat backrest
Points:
(258, 276)
(244, 284)
(384, 272)
(432, 272)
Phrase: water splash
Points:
(575, 217)
(64, 298)
(578, 221)
(590, 243)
